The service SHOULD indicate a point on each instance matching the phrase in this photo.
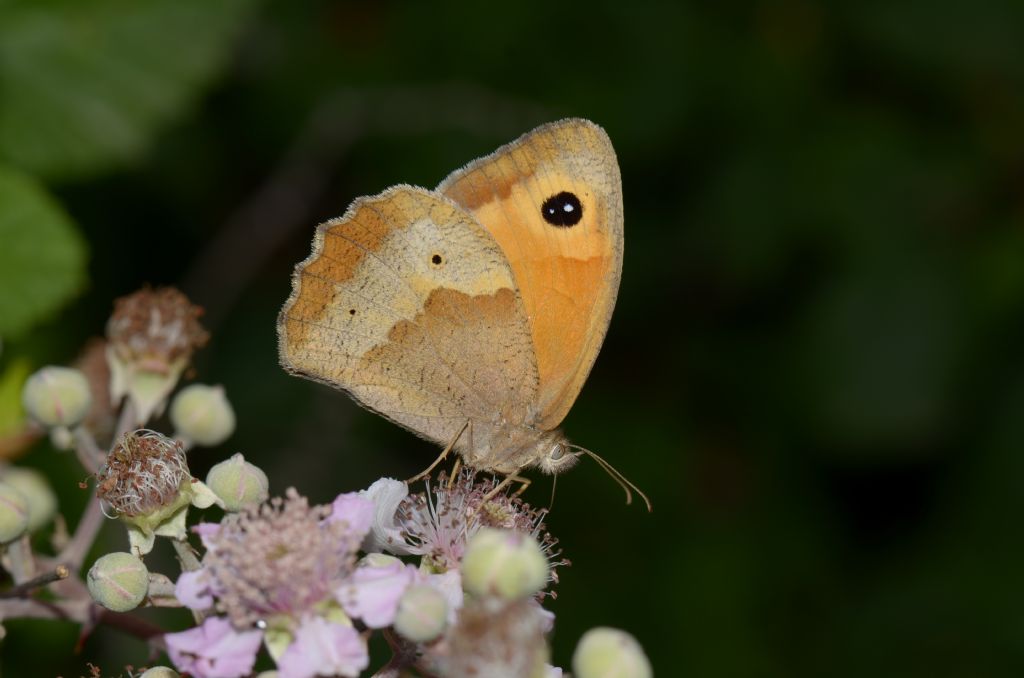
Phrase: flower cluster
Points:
(452, 577)
(286, 575)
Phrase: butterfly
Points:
(471, 314)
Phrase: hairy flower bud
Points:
(57, 396)
(14, 513)
(238, 483)
(610, 653)
(422, 613)
(152, 335)
(504, 563)
(202, 414)
(118, 581)
(41, 499)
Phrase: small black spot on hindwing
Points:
(562, 209)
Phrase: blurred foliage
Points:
(86, 84)
(42, 261)
(814, 368)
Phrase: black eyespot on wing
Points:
(436, 260)
(562, 209)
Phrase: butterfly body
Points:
(471, 313)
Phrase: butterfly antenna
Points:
(625, 483)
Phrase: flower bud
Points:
(160, 672)
(202, 414)
(42, 501)
(422, 613)
(118, 581)
(505, 563)
(609, 653)
(57, 396)
(238, 483)
(14, 513)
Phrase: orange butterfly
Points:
(471, 314)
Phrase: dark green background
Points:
(815, 365)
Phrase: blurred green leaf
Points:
(12, 379)
(42, 260)
(84, 85)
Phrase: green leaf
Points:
(12, 380)
(42, 256)
(85, 85)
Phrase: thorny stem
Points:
(23, 589)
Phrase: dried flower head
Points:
(155, 328)
(152, 335)
(281, 558)
(144, 472)
(438, 523)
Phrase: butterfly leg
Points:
(509, 479)
(455, 471)
(440, 458)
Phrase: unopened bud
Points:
(118, 581)
(505, 563)
(57, 396)
(610, 653)
(238, 483)
(422, 613)
(202, 414)
(14, 512)
(160, 672)
(42, 500)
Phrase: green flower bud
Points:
(118, 581)
(42, 501)
(160, 672)
(238, 483)
(504, 563)
(202, 414)
(422, 613)
(610, 653)
(57, 396)
(14, 512)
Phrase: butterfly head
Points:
(554, 453)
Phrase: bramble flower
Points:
(374, 589)
(498, 642)
(152, 335)
(146, 483)
(280, 568)
(214, 650)
(324, 648)
(297, 555)
(438, 523)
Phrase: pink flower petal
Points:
(214, 650)
(372, 592)
(322, 648)
(355, 510)
(193, 590)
